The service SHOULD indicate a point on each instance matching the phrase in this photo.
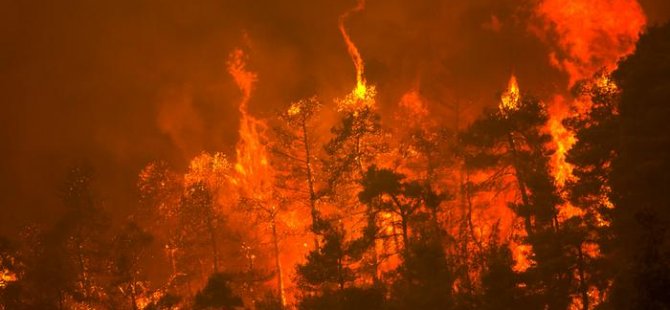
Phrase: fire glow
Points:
(376, 191)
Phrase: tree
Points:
(357, 143)
(326, 280)
(422, 150)
(591, 157)
(511, 138)
(425, 275)
(500, 284)
(326, 267)
(160, 190)
(66, 264)
(199, 217)
(639, 176)
(81, 232)
(217, 294)
(385, 190)
(129, 248)
(295, 145)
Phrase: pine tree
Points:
(327, 282)
(591, 157)
(511, 138)
(296, 148)
(357, 143)
(83, 230)
(217, 294)
(639, 176)
(129, 252)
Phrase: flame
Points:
(520, 253)
(591, 37)
(587, 42)
(353, 50)
(563, 141)
(211, 169)
(254, 176)
(243, 78)
(412, 103)
(7, 276)
(591, 34)
(294, 109)
(362, 94)
(509, 101)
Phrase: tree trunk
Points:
(310, 183)
(133, 298)
(521, 182)
(583, 288)
(280, 277)
(405, 236)
(212, 239)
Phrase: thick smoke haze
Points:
(116, 84)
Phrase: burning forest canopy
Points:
(301, 154)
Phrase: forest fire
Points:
(256, 177)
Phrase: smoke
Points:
(120, 83)
(178, 117)
(591, 35)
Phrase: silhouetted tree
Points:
(512, 137)
(129, 249)
(217, 294)
(327, 282)
(500, 284)
(640, 178)
(425, 277)
(326, 267)
(358, 140)
(591, 157)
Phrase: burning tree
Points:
(512, 137)
(255, 177)
(296, 145)
(129, 252)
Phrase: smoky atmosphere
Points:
(350, 154)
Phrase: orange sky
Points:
(119, 83)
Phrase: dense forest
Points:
(393, 212)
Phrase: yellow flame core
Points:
(605, 83)
(361, 90)
(7, 276)
(294, 109)
(509, 100)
